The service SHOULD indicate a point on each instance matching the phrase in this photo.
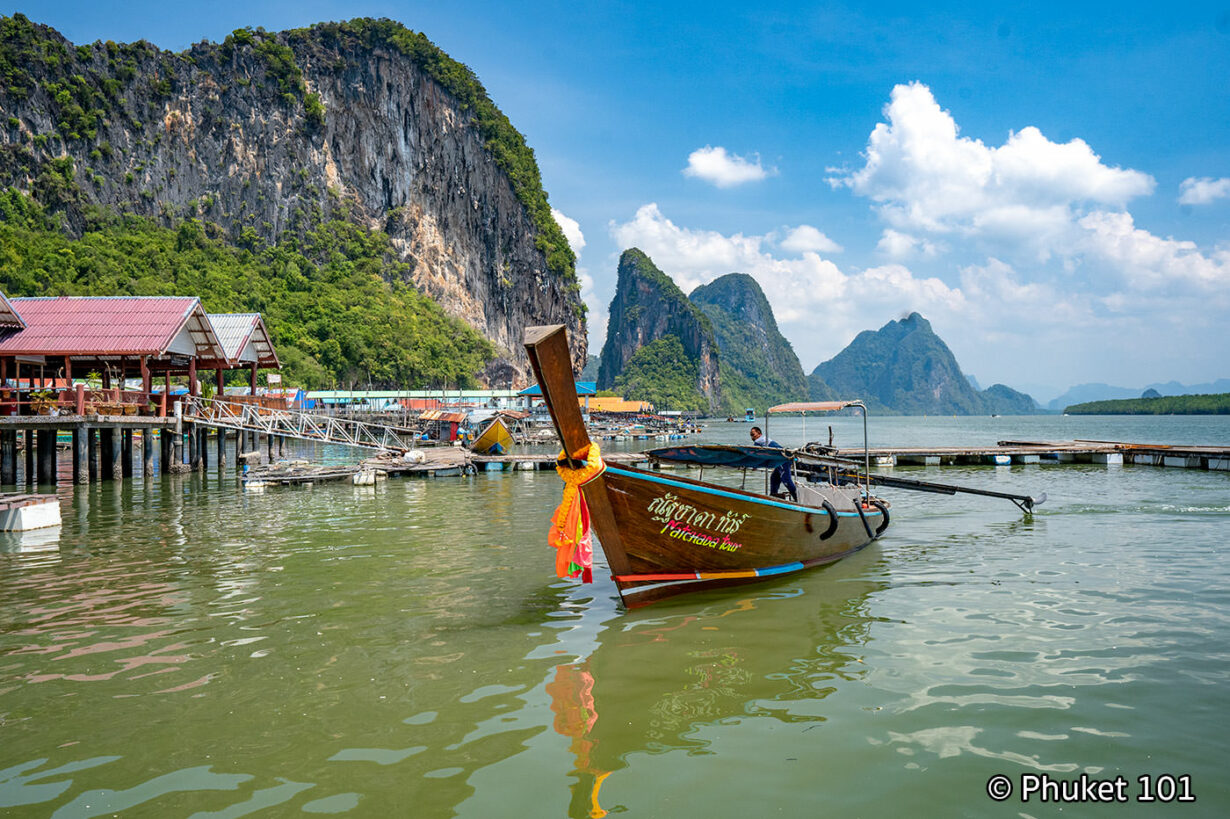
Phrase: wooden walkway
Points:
(1076, 451)
(442, 462)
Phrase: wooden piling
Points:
(115, 465)
(221, 447)
(147, 452)
(81, 455)
(29, 456)
(106, 447)
(126, 453)
(194, 447)
(164, 450)
(8, 457)
(47, 455)
(94, 456)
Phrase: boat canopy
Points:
(737, 457)
(815, 406)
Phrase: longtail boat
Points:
(495, 439)
(668, 535)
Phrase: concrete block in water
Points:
(25, 512)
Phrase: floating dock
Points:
(1032, 452)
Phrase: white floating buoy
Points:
(415, 456)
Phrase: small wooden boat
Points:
(664, 536)
(495, 439)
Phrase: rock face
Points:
(905, 367)
(649, 306)
(267, 132)
(758, 365)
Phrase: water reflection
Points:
(404, 649)
(657, 681)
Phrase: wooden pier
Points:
(1032, 452)
(114, 447)
(443, 462)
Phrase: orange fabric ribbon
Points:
(570, 534)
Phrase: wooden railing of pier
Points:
(256, 417)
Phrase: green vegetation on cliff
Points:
(89, 83)
(663, 373)
(333, 299)
(1215, 404)
(224, 141)
(905, 367)
(758, 366)
(649, 307)
(638, 265)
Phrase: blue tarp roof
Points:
(583, 388)
(738, 457)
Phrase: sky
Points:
(1050, 187)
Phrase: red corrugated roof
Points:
(442, 415)
(122, 325)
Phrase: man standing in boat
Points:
(781, 475)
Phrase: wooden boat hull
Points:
(669, 535)
(664, 536)
(495, 439)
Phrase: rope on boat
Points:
(569, 533)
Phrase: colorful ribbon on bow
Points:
(569, 534)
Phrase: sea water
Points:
(181, 647)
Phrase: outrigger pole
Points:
(1026, 503)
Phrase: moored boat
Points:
(668, 535)
(495, 439)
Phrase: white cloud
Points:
(572, 230)
(805, 237)
(1030, 200)
(926, 177)
(1145, 261)
(596, 319)
(820, 307)
(1009, 324)
(1193, 191)
(725, 170)
(898, 245)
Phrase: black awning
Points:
(738, 457)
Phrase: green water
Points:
(183, 648)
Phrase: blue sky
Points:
(1050, 187)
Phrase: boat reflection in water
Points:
(662, 681)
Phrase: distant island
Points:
(1214, 404)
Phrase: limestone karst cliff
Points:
(267, 134)
(654, 327)
(758, 365)
(905, 367)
